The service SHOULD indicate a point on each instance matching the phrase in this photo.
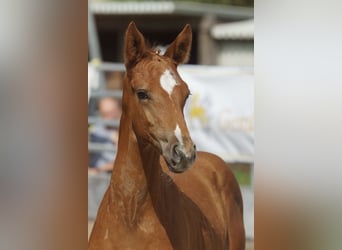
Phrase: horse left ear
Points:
(134, 45)
(179, 49)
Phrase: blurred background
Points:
(220, 75)
(43, 148)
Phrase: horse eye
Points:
(142, 95)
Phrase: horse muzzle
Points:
(178, 159)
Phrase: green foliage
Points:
(243, 178)
(242, 172)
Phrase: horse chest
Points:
(146, 233)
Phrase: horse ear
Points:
(179, 49)
(134, 45)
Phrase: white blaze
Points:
(167, 81)
(178, 135)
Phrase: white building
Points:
(234, 43)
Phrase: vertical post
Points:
(94, 48)
(252, 175)
(94, 54)
(206, 45)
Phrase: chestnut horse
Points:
(162, 195)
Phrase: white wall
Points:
(235, 53)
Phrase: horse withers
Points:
(162, 194)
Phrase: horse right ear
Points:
(134, 45)
(179, 49)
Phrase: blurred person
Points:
(109, 109)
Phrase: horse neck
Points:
(136, 170)
(136, 161)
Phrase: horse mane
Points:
(154, 47)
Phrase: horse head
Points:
(156, 96)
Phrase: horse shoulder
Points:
(228, 190)
(211, 173)
(221, 176)
(212, 186)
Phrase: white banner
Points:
(220, 111)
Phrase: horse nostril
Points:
(179, 155)
(177, 152)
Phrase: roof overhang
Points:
(170, 7)
(241, 30)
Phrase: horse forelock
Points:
(151, 64)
